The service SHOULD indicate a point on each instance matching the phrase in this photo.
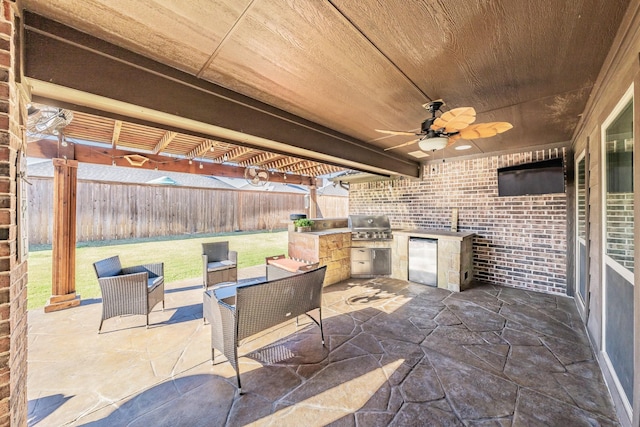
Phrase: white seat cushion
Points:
(220, 265)
(153, 282)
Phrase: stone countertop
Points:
(433, 233)
(328, 231)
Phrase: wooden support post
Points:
(313, 202)
(63, 288)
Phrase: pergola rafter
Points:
(259, 160)
(281, 164)
(164, 142)
(236, 153)
(200, 149)
(115, 136)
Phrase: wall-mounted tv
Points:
(542, 177)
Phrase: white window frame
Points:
(606, 259)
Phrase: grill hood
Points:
(369, 222)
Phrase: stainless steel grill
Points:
(370, 227)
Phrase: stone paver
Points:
(397, 354)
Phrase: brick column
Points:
(13, 265)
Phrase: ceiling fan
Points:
(44, 121)
(256, 176)
(439, 132)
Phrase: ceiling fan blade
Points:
(396, 132)
(502, 126)
(403, 144)
(455, 120)
(484, 130)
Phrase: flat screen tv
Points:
(542, 177)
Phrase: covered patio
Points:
(397, 353)
(551, 336)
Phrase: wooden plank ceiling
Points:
(357, 66)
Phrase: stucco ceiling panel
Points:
(497, 54)
(307, 59)
(180, 34)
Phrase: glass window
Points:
(582, 200)
(619, 195)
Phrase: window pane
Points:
(619, 176)
(582, 200)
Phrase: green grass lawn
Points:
(181, 257)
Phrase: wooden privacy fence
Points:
(110, 211)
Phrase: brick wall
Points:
(520, 241)
(13, 269)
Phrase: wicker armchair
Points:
(129, 290)
(219, 264)
(255, 307)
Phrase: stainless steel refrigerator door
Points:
(423, 261)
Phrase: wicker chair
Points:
(259, 306)
(129, 290)
(219, 264)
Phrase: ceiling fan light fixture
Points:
(432, 144)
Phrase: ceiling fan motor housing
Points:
(435, 106)
(426, 125)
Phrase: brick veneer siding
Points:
(520, 241)
(13, 270)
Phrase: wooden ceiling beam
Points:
(316, 170)
(281, 163)
(200, 149)
(48, 149)
(301, 165)
(164, 142)
(260, 159)
(237, 152)
(115, 136)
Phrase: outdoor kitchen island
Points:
(328, 243)
(340, 244)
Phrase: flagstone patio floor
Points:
(396, 353)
